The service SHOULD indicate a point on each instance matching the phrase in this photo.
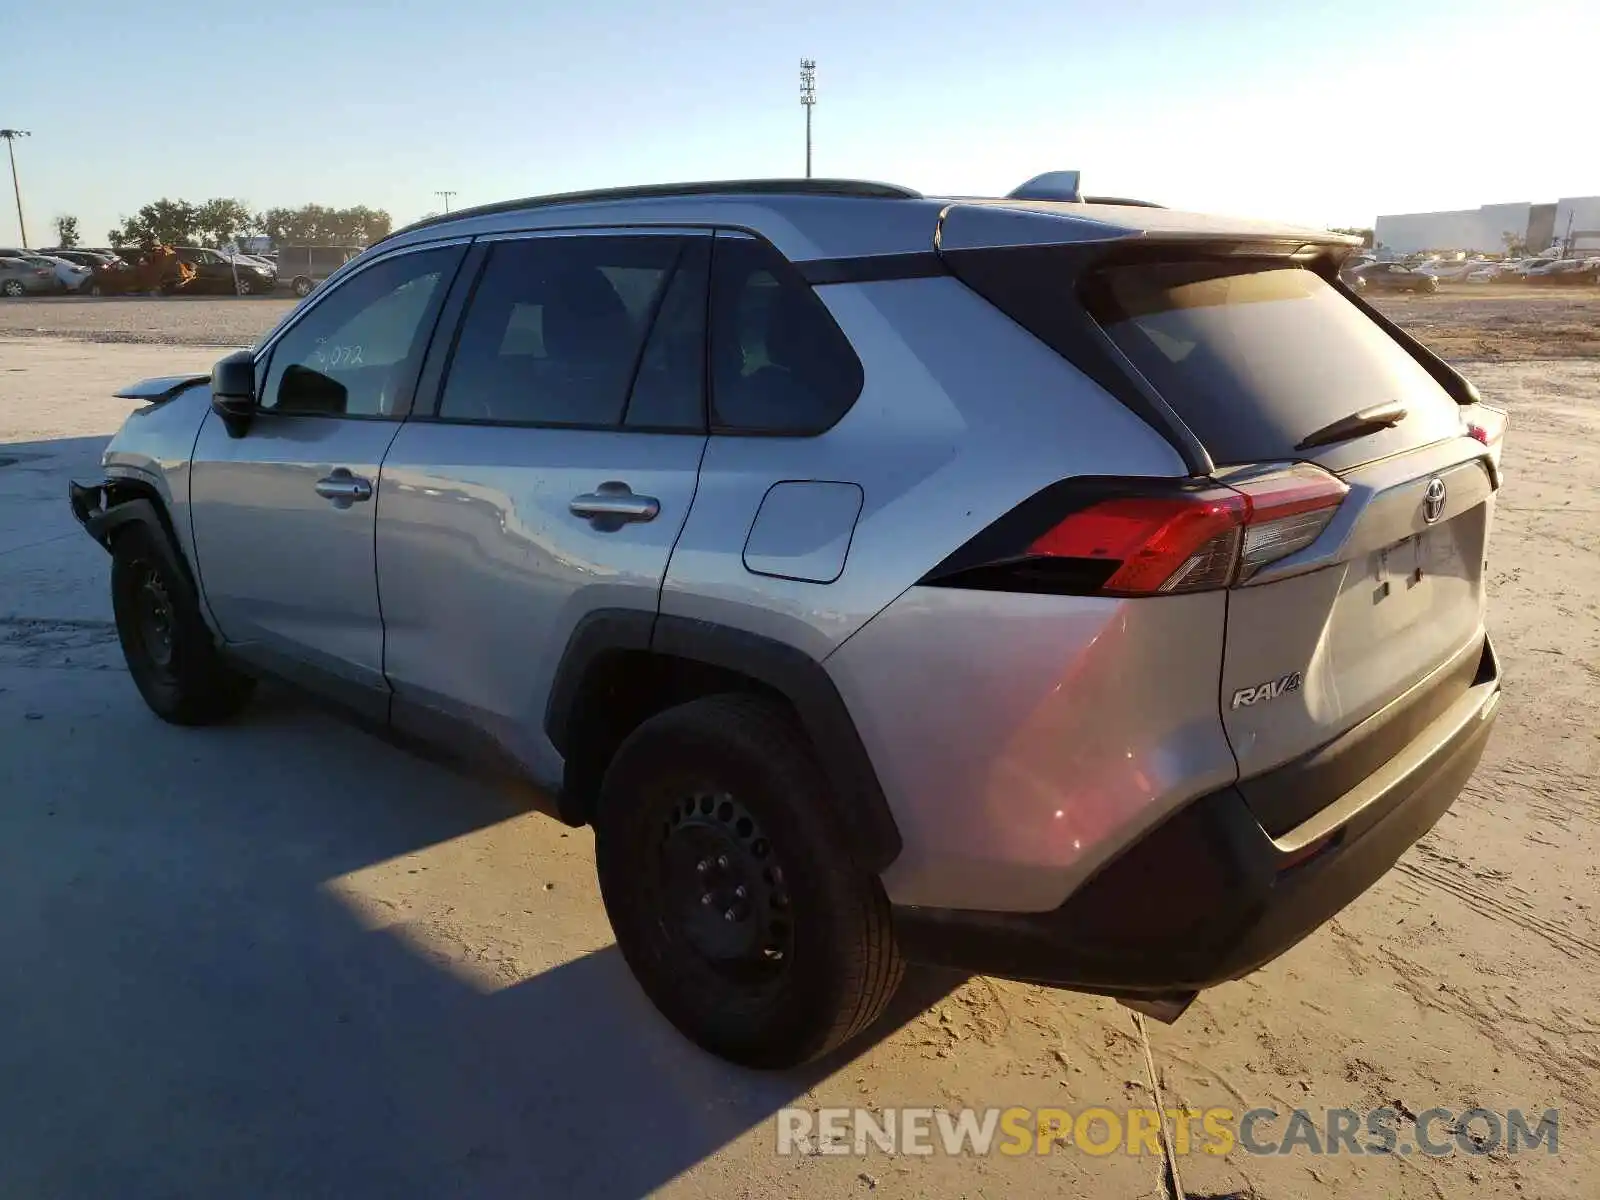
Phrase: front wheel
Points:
(168, 649)
(243, 286)
(302, 287)
(731, 887)
(12, 287)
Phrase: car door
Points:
(283, 517)
(546, 477)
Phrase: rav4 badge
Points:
(1270, 690)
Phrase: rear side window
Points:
(1255, 356)
(555, 330)
(779, 364)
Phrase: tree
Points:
(66, 231)
(1515, 244)
(221, 221)
(165, 222)
(316, 225)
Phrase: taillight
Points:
(1484, 424)
(1148, 537)
(1289, 508)
(1154, 543)
(1488, 426)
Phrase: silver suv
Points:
(1073, 591)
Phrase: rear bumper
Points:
(1208, 895)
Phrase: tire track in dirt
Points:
(1445, 872)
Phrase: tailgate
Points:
(1384, 612)
(1367, 469)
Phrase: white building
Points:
(1477, 230)
(1485, 230)
(1578, 222)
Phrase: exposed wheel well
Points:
(620, 691)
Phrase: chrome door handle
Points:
(343, 488)
(612, 505)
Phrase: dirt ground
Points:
(284, 958)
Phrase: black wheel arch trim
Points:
(106, 507)
(857, 795)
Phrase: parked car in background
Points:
(1565, 272)
(84, 258)
(69, 277)
(303, 267)
(73, 277)
(1452, 270)
(216, 272)
(20, 277)
(1393, 277)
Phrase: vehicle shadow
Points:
(194, 1006)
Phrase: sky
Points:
(1299, 110)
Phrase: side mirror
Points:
(233, 391)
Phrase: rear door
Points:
(1267, 363)
(548, 475)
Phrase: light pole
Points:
(11, 136)
(445, 196)
(808, 100)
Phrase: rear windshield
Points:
(1254, 357)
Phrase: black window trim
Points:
(441, 355)
(263, 357)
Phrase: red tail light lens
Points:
(1157, 544)
(1484, 424)
(1148, 537)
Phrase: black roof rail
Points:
(1122, 200)
(854, 188)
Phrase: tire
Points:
(243, 286)
(722, 794)
(12, 288)
(302, 287)
(168, 649)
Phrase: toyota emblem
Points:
(1433, 500)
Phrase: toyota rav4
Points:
(1068, 590)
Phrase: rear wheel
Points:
(168, 649)
(12, 287)
(302, 286)
(732, 891)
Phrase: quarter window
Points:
(779, 363)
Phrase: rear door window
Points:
(1255, 356)
(556, 328)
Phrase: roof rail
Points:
(858, 189)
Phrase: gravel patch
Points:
(219, 321)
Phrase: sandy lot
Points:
(283, 958)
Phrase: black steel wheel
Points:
(165, 642)
(731, 887)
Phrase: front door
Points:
(549, 480)
(284, 516)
